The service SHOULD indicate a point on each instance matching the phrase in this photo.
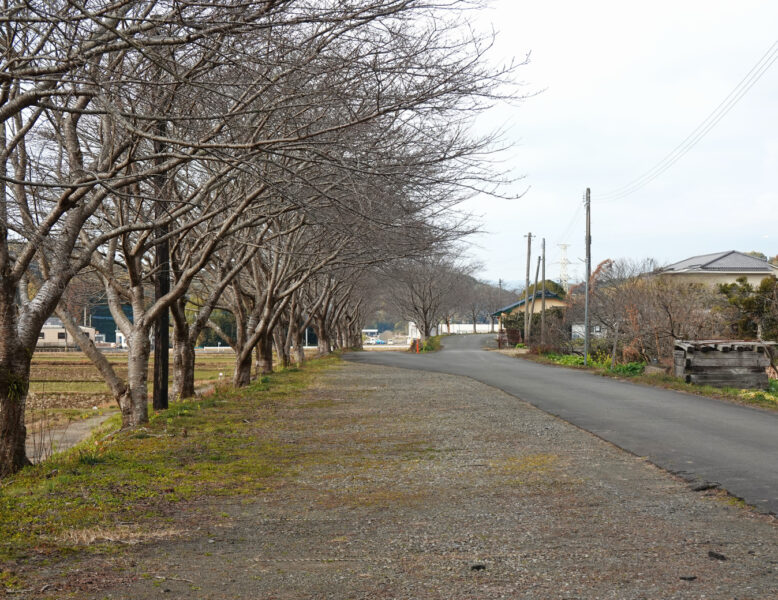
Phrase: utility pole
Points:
(526, 286)
(587, 203)
(499, 301)
(534, 298)
(161, 287)
(543, 296)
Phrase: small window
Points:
(597, 329)
(41, 336)
(61, 335)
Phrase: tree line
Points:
(270, 159)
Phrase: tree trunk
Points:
(242, 375)
(183, 364)
(321, 334)
(281, 348)
(299, 348)
(134, 408)
(14, 385)
(265, 347)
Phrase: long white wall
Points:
(456, 328)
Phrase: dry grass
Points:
(66, 386)
(120, 534)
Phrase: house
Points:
(721, 267)
(54, 335)
(552, 301)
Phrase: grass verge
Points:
(432, 344)
(124, 487)
(634, 372)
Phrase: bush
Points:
(630, 369)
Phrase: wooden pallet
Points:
(724, 363)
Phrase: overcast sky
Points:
(621, 85)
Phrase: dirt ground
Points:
(430, 486)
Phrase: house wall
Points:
(714, 279)
(456, 328)
(550, 303)
(58, 337)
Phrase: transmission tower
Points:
(563, 262)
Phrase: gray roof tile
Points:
(731, 261)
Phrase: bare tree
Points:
(124, 126)
(642, 313)
(422, 290)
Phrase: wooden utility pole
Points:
(543, 296)
(161, 287)
(534, 297)
(526, 286)
(588, 274)
(499, 301)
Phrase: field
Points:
(66, 385)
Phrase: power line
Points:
(740, 90)
(573, 222)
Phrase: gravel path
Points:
(419, 485)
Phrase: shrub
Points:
(598, 361)
(432, 344)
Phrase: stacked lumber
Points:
(723, 363)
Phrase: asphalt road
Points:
(699, 438)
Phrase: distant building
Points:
(450, 328)
(552, 301)
(121, 341)
(369, 335)
(54, 335)
(721, 267)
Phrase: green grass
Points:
(634, 371)
(763, 398)
(218, 445)
(600, 363)
(432, 344)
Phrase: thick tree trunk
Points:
(265, 347)
(322, 335)
(183, 365)
(242, 375)
(14, 384)
(134, 408)
(299, 348)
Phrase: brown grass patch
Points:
(121, 534)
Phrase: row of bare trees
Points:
(266, 158)
(436, 289)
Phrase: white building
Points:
(54, 335)
(453, 329)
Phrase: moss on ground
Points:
(123, 486)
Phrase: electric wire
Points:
(726, 105)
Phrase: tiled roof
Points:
(728, 262)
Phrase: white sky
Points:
(623, 84)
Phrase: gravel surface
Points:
(423, 485)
